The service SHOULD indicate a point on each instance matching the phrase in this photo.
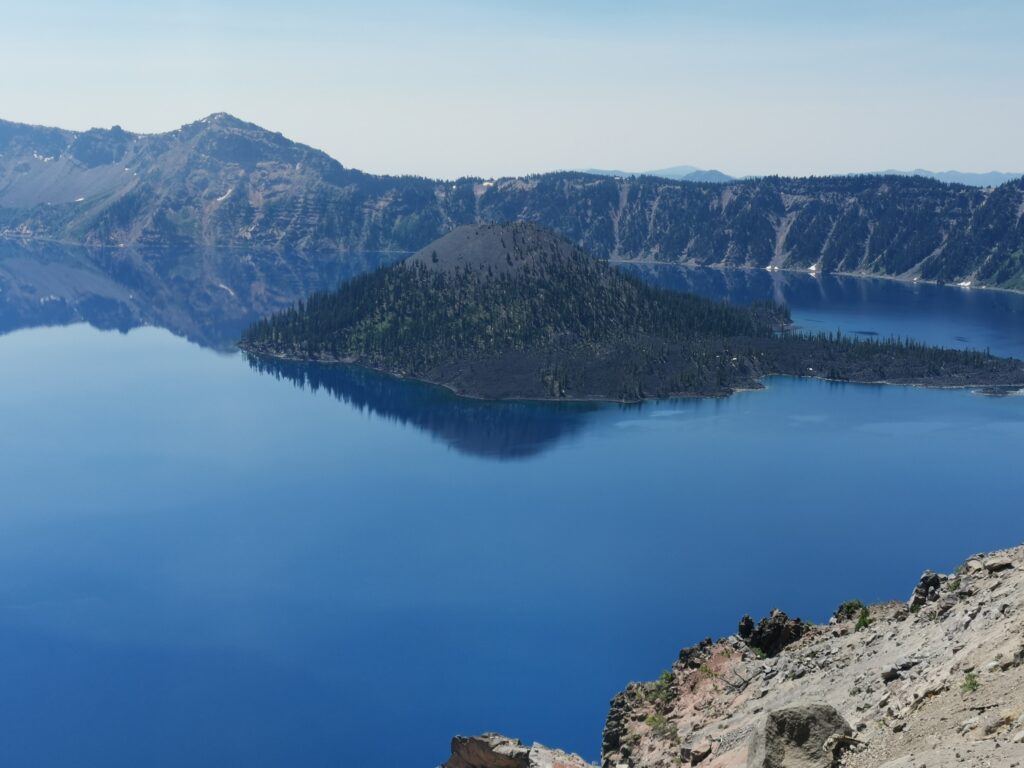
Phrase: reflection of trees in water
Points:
(504, 429)
(207, 296)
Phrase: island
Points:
(515, 311)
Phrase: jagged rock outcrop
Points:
(492, 750)
(927, 590)
(693, 656)
(773, 633)
(808, 736)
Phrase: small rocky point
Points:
(492, 750)
(771, 634)
(933, 682)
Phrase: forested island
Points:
(515, 311)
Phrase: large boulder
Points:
(997, 564)
(809, 736)
(492, 750)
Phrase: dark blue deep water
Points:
(206, 564)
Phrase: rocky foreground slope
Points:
(935, 682)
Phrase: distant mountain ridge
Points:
(222, 182)
(676, 172)
(986, 179)
(693, 173)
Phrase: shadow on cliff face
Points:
(490, 429)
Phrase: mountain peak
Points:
(224, 121)
(493, 248)
(223, 118)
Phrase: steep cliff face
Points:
(215, 182)
(896, 226)
(224, 182)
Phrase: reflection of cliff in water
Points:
(208, 297)
(502, 429)
(211, 296)
(810, 293)
(744, 286)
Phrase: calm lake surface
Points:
(206, 564)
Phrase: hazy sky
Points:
(460, 87)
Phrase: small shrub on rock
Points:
(864, 619)
(971, 683)
(849, 610)
(662, 727)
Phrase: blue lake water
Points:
(204, 564)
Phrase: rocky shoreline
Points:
(936, 681)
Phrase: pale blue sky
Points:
(456, 87)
